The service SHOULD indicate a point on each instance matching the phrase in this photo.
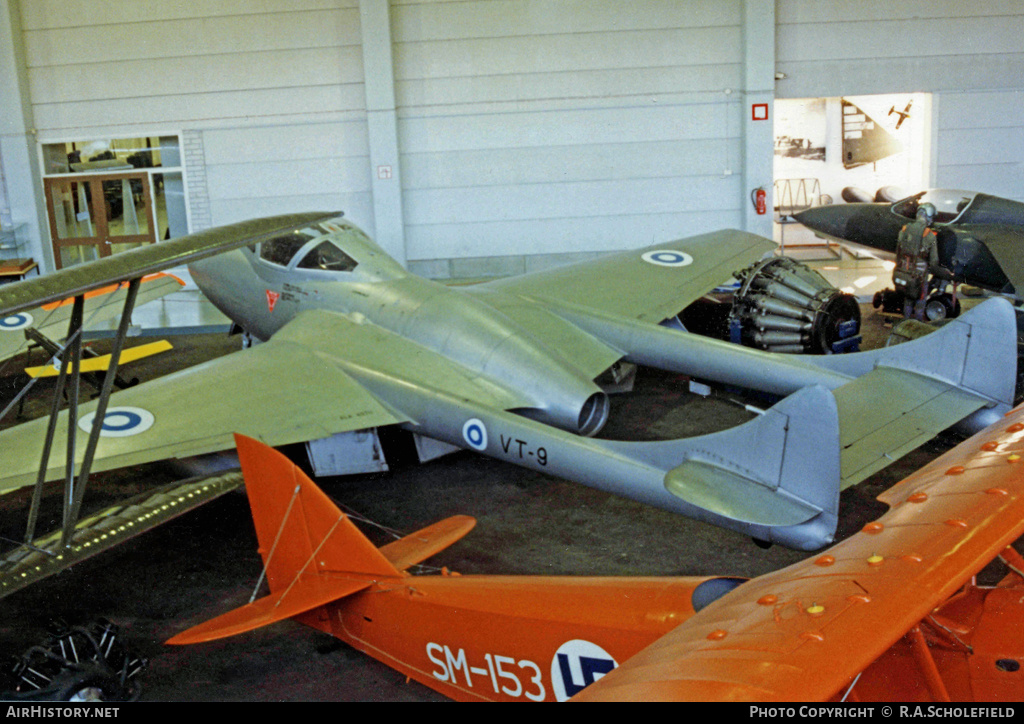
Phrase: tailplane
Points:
(312, 552)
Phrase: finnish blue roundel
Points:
(576, 665)
(667, 257)
(15, 322)
(120, 421)
(474, 433)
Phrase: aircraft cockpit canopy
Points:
(282, 249)
(312, 250)
(949, 204)
(327, 257)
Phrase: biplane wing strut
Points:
(76, 283)
(69, 376)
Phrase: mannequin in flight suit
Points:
(916, 254)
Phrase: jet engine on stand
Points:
(784, 306)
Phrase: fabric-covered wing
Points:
(147, 259)
(803, 633)
(100, 305)
(649, 284)
(279, 392)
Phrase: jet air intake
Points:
(784, 306)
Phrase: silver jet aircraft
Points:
(514, 369)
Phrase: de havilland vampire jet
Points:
(513, 369)
(980, 237)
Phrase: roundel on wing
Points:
(576, 665)
(14, 322)
(667, 257)
(120, 421)
(475, 434)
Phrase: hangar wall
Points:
(268, 95)
(527, 126)
(554, 127)
(529, 131)
(968, 55)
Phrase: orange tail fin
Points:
(294, 520)
(312, 552)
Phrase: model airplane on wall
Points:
(980, 237)
(890, 614)
(513, 369)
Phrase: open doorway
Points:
(841, 150)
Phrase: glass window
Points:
(907, 208)
(283, 248)
(328, 257)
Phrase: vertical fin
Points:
(294, 519)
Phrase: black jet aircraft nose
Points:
(829, 221)
(867, 224)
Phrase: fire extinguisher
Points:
(760, 200)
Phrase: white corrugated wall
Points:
(529, 131)
(968, 55)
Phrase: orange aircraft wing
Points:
(805, 632)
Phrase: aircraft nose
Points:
(827, 220)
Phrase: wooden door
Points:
(96, 215)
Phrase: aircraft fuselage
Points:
(963, 231)
(262, 297)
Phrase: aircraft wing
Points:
(888, 412)
(804, 633)
(647, 285)
(195, 411)
(292, 388)
(147, 259)
(1006, 244)
(101, 304)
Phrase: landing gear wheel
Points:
(889, 301)
(941, 306)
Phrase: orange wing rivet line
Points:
(768, 600)
(1015, 427)
(875, 527)
(955, 470)
(717, 635)
(990, 446)
(956, 523)
(875, 560)
(812, 636)
(815, 609)
(918, 498)
(825, 561)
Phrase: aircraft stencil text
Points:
(522, 449)
(503, 673)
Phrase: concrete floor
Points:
(205, 563)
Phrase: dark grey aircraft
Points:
(980, 237)
(519, 369)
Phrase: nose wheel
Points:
(941, 306)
